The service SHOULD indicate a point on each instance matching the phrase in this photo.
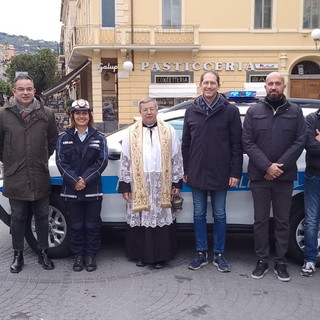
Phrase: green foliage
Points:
(69, 102)
(5, 87)
(42, 67)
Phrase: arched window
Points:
(306, 67)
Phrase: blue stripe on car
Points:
(109, 184)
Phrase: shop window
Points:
(311, 14)
(109, 108)
(108, 13)
(171, 13)
(262, 14)
(165, 102)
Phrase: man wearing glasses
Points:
(212, 160)
(28, 133)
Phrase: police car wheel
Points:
(59, 234)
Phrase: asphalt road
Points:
(119, 290)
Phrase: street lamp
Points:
(128, 65)
(315, 35)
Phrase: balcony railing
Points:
(155, 35)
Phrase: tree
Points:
(42, 67)
(5, 87)
(5, 90)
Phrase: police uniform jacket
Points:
(85, 159)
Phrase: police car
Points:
(239, 200)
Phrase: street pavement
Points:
(119, 290)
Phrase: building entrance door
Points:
(305, 80)
(305, 88)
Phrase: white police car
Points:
(239, 199)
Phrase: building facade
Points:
(172, 42)
(6, 53)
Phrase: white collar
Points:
(77, 131)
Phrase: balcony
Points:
(184, 37)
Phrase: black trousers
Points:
(20, 209)
(278, 194)
(85, 224)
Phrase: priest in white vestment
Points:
(151, 171)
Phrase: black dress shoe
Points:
(45, 261)
(17, 263)
(78, 264)
(140, 263)
(90, 263)
(159, 265)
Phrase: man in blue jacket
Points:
(212, 160)
(311, 194)
(274, 134)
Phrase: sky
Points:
(36, 19)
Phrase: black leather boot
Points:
(18, 262)
(45, 261)
(78, 264)
(90, 263)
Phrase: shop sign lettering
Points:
(108, 67)
(206, 66)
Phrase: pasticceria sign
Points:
(206, 66)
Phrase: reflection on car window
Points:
(178, 125)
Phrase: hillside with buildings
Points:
(23, 44)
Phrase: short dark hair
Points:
(22, 76)
(73, 123)
(212, 72)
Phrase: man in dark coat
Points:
(212, 159)
(274, 135)
(311, 194)
(28, 133)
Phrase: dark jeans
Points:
(20, 209)
(277, 193)
(85, 224)
(312, 216)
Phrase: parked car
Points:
(239, 200)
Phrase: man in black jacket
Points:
(212, 161)
(311, 194)
(274, 135)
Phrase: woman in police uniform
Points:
(81, 157)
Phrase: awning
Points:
(60, 86)
(181, 90)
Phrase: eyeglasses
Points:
(20, 89)
(211, 83)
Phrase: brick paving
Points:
(119, 290)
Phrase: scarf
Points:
(25, 111)
(140, 200)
